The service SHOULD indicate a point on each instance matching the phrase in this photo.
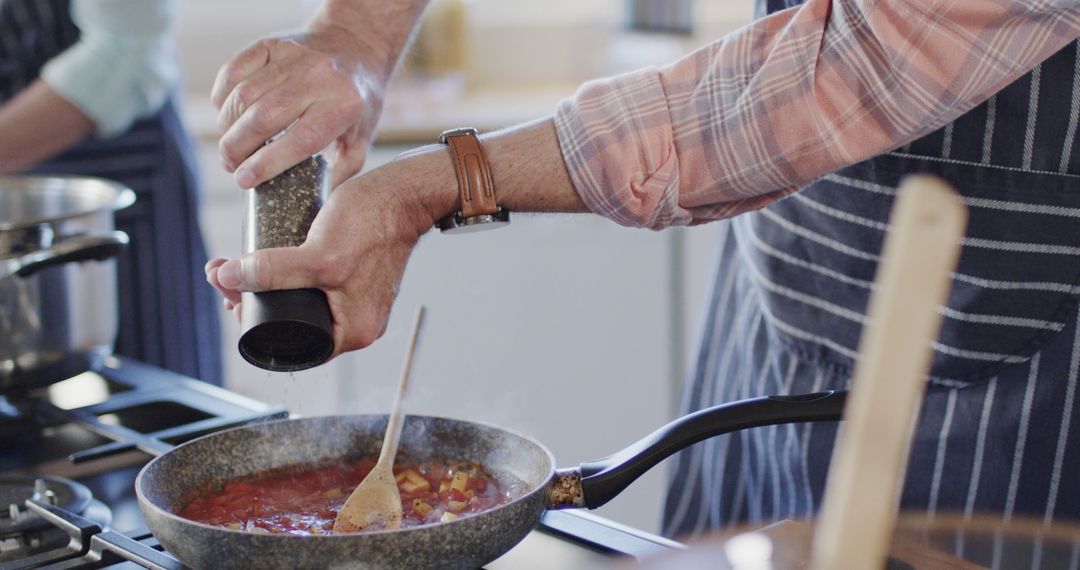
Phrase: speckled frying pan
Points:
(468, 542)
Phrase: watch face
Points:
(475, 227)
(457, 225)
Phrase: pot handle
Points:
(603, 479)
(83, 247)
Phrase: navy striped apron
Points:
(789, 299)
(168, 314)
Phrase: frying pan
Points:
(468, 542)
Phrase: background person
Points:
(86, 88)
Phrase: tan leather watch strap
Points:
(473, 173)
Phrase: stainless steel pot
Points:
(58, 302)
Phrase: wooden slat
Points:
(868, 465)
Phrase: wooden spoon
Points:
(863, 489)
(376, 501)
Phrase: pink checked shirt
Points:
(769, 108)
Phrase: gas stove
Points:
(69, 455)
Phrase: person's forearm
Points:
(381, 45)
(801, 93)
(527, 171)
(37, 124)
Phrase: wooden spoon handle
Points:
(868, 465)
(397, 419)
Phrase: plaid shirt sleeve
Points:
(768, 108)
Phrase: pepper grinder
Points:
(286, 330)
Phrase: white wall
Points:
(587, 325)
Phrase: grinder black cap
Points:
(287, 330)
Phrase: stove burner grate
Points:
(152, 410)
(23, 532)
(14, 491)
(89, 544)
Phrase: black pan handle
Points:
(603, 479)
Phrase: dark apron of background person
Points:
(789, 301)
(168, 314)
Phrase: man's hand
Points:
(309, 90)
(356, 250)
(314, 87)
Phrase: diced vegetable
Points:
(446, 517)
(413, 482)
(461, 480)
(421, 508)
(456, 506)
(444, 486)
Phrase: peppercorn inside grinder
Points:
(286, 330)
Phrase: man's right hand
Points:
(313, 87)
(306, 91)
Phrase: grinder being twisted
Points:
(292, 329)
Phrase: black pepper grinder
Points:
(292, 329)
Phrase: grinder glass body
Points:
(286, 330)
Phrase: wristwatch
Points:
(478, 208)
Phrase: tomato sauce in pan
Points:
(305, 500)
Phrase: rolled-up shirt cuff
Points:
(113, 82)
(616, 140)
